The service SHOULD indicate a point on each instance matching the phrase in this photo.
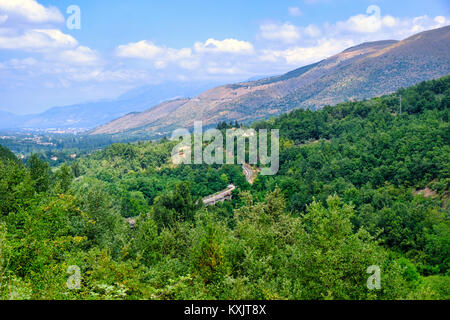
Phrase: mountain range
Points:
(92, 114)
(364, 71)
(360, 72)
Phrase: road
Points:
(223, 195)
(249, 173)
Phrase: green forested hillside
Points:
(381, 162)
(360, 184)
(6, 154)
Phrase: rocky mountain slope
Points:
(360, 72)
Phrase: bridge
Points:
(219, 197)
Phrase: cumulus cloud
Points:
(224, 46)
(36, 39)
(58, 60)
(18, 63)
(79, 56)
(148, 50)
(297, 56)
(312, 31)
(286, 32)
(186, 58)
(49, 44)
(160, 55)
(370, 23)
(142, 49)
(369, 26)
(33, 29)
(375, 26)
(292, 45)
(31, 11)
(279, 46)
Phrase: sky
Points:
(47, 59)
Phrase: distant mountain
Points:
(256, 78)
(7, 118)
(364, 71)
(92, 114)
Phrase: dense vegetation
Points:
(360, 184)
(57, 148)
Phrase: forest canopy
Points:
(360, 184)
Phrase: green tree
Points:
(40, 173)
(63, 178)
(176, 205)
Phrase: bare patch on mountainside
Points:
(426, 192)
(364, 71)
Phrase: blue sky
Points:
(127, 44)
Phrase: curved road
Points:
(223, 195)
(249, 173)
(217, 197)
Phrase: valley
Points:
(358, 185)
(225, 158)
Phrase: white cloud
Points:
(36, 40)
(142, 49)
(287, 32)
(49, 44)
(367, 23)
(31, 30)
(190, 64)
(440, 20)
(312, 31)
(175, 54)
(18, 63)
(303, 45)
(310, 45)
(31, 11)
(148, 50)
(225, 46)
(375, 26)
(161, 56)
(80, 56)
(295, 11)
(185, 58)
(58, 60)
(298, 56)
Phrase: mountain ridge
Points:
(363, 71)
(89, 115)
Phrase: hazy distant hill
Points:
(6, 119)
(92, 114)
(360, 72)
